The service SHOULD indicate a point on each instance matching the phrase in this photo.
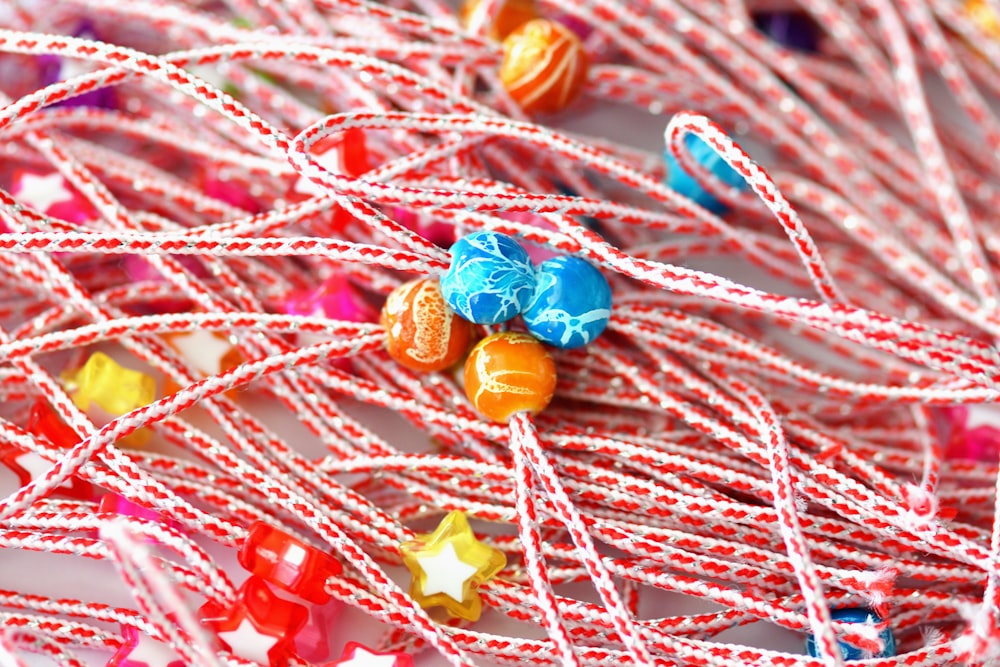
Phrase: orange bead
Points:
(510, 14)
(507, 373)
(544, 66)
(422, 332)
(980, 12)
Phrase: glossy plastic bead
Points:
(510, 14)
(849, 652)
(337, 298)
(112, 503)
(288, 562)
(491, 278)
(572, 303)
(449, 565)
(795, 30)
(980, 12)
(313, 641)
(359, 655)
(140, 650)
(509, 372)
(422, 332)
(46, 423)
(544, 66)
(684, 183)
(258, 626)
(53, 68)
(51, 194)
(112, 387)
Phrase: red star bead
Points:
(140, 650)
(258, 626)
(359, 655)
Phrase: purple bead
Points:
(794, 30)
(53, 68)
(580, 28)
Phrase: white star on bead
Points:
(362, 658)
(203, 350)
(41, 192)
(33, 464)
(446, 573)
(247, 642)
(151, 652)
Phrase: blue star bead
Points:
(572, 303)
(491, 278)
(849, 652)
(683, 183)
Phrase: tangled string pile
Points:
(769, 445)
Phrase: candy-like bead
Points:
(509, 15)
(112, 387)
(491, 278)
(258, 625)
(544, 66)
(288, 562)
(140, 650)
(449, 565)
(796, 30)
(849, 652)
(572, 303)
(509, 372)
(422, 332)
(359, 655)
(684, 183)
(50, 193)
(980, 12)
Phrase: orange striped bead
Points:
(422, 332)
(509, 15)
(507, 373)
(544, 66)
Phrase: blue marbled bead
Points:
(682, 182)
(491, 278)
(572, 303)
(849, 652)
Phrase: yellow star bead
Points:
(449, 565)
(981, 13)
(116, 390)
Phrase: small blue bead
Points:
(683, 183)
(572, 303)
(491, 278)
(849, 652)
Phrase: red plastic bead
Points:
(288, 562)
(259, 626)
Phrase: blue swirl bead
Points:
(849, 652)
(491, 278)
(684, 183)
(572, 303)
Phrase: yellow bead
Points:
(449, 565)
(981, 13)
(507, 373)
(102, 383)
(544, 66)
(509, 15)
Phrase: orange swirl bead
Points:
(509, 15)
(422, 332)
(544, 66)
(507, 373)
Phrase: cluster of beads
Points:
(220, 192)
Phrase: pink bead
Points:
(438, 233)
(336, 299)
(359, 655)
(231, 192)
(51, 194)
(140, 650)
